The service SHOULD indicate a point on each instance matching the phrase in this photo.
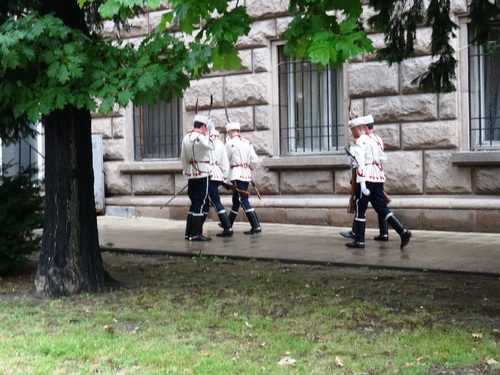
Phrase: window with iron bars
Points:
(158, 131)
(484, 93)
(310, 107)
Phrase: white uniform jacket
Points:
(370, 156)
(195, 154)
(242, 158)
(219, 163)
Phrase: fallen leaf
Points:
(108, 328)
(477, 336)
(491, 362)
(287, 361)
(339, 361)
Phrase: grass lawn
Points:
(180, 315)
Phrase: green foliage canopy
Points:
(46, 65)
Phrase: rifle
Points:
(350, 206)
(171, 199)
(255, 188)
(243, 193)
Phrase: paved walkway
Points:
(427, 250)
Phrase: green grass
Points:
(219, 316)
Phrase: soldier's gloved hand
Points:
(210, 125)
(364, 190)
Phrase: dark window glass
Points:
(484, 94)
(310, 107)
(158, 130)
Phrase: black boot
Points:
(404, 233)
(383, 229)
(189, 225)
(226, 224)
(232, 218)
(359, 236)
(254, 222)
(197, 229)
(349, 234)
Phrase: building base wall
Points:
(441, 213)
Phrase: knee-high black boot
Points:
(189, 225)
(226, 224)
(383, 229)
(359, 235)
(232, 217)
(404, 233)
(351, 233)
(254, 222)
(197, 229)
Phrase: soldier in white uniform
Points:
(219, 170)
(195, 157)
(242, 159)
(382, 223)
(370, 180)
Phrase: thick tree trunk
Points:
(70, 259)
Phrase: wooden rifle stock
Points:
(243, 193)
(256, 190)
(350, 206)
(387, 197)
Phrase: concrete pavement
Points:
(427, 250)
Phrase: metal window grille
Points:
(158, 130)
(310, 107)
(484, 93)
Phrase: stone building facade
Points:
(441, 175)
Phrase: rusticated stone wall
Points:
(421, 131)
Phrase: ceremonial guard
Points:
(370, 179)
(195, 157)
(382, 223)
(242, 159)
(219, 170)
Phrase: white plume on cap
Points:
(233, 126)
(200, 118)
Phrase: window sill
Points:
(151, 167)
(307, 162)
(479, 158)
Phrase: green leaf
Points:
(227, 61)
(124, 97)
(109, 9)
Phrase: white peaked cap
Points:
(200, 118)
(359, 121)
(233, 126)
(355, 122)
(368, 119)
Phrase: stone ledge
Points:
(400, 202)
(479, 158)
(150, 167)
(307, 162)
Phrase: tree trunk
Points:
(70, 259)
